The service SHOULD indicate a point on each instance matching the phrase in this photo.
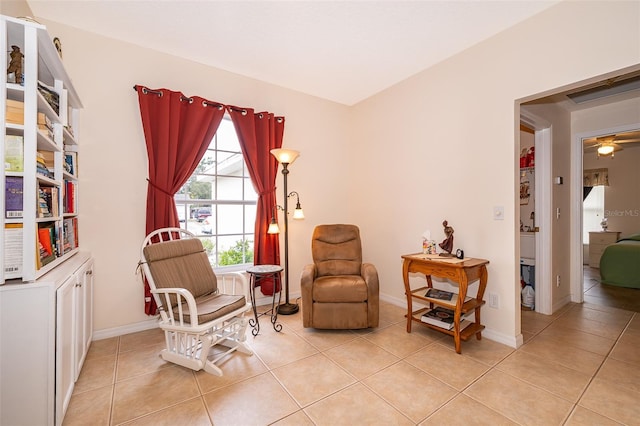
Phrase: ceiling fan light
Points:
(605, 149)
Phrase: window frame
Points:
(215, 174)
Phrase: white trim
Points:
(543, 209)
(125, 329)
(576, 253)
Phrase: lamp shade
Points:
(298, 213)
(605, 149)
(283, 156)
(273, 227)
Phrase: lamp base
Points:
(288, 309)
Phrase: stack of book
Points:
(45, 125)
(44, 203)
(14, 113)
(41, 166)
(443, 318)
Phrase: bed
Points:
(620, 263)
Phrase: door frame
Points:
(576, 251)
(543, 209)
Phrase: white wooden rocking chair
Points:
(197, 309)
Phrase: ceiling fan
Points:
(605, 146)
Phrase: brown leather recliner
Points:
(338, 290)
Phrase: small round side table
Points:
(258, 273)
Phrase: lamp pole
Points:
(287, 308)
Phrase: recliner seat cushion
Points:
(340, 289)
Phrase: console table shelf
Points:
(461, 271)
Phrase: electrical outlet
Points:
(494, 300)
(557, 280)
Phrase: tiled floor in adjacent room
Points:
(580, 366)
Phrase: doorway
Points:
(535, 215)
(584, 268)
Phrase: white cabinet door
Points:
(84, 315)
(65, 334)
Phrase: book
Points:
(435, 293)
(443, 318)
(45, 251)
(13, 204)
(70, 163)
(12, 250)
(447, 297)
(69, 197)
(13, 153)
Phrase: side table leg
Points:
(253, 322)
(277, 284)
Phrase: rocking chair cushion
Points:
(213, 306)
(181, 263)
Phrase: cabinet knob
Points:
(90, 272)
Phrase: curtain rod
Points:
(204, 103)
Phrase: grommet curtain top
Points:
(207, 103)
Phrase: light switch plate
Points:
(498, 213)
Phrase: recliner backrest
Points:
(182, 264)
(337, 250)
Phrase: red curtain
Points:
(177, 131)
(259, 133)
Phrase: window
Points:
(592, 212)
(218, 202)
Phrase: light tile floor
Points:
(580, 366)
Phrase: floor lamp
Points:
(286, 157)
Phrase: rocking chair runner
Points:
(197, 309)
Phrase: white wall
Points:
(440, 145)
(445, 139)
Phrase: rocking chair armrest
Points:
(234, 283)
(180, 293)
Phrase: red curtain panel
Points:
(177, 131)
(258, 134)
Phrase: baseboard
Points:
(125, 329)
(560, 303)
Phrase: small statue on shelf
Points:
(447, 244)
(15, 66)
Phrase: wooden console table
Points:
(461, 271)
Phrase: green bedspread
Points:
(620, 263)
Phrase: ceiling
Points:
(343, 51)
